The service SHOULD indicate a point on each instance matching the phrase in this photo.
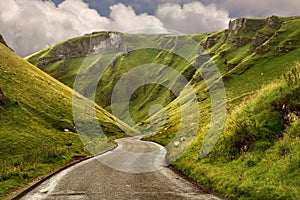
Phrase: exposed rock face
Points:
(2, 98)
(113, 41)
(237, 29)
(259, 39)
(262, 49)
(274, 22)
(235, 26)
(89, 45)
(240, 41)
(230, 67)
(209, 43)
(49, 61)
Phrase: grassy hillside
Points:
(258, 154)
(242, 58)
(35, 110)
(244, 68)
(252, 55)
(64, 66)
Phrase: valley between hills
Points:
(256, 96)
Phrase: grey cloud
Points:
(236, 8)
(259, 8)
(140, 6)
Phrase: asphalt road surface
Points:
(134, 170)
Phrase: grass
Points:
(257, 156)
(32, 122)
(261, 172)
(66, 71)
(253, 158)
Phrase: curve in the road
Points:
(134, 170)
(135, 156)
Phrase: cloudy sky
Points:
(30, 25)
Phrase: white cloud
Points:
(192, 17)
(31, 25)
(125, 19)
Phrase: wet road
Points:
(134, 170)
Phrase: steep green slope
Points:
(249, 55)
(244, 67)
(35, 110)
(258, 154)
(64, 60)
(244, 54)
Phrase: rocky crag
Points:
(239, 32)
(91, 44)
(243, 31)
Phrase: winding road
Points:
(134, 170)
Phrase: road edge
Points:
(39, 182)
(184, 176)
(198, 185)
(169, 166)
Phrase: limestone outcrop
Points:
(243, 31)
(89, 44)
